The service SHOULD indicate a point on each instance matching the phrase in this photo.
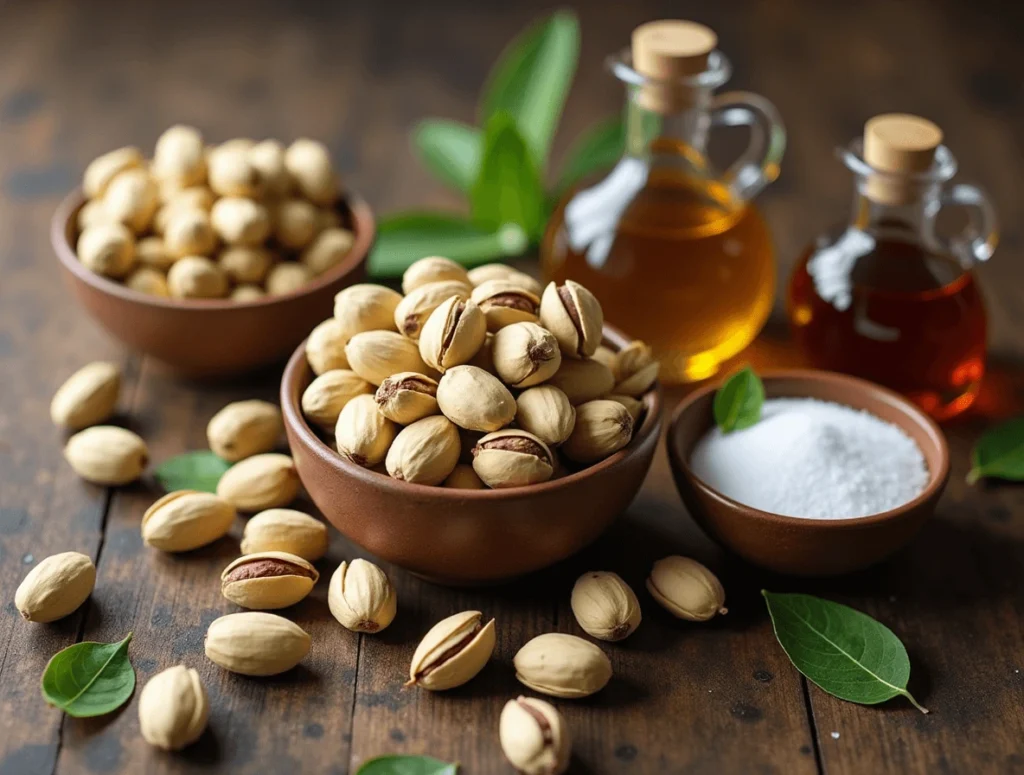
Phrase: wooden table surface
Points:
(77, 79)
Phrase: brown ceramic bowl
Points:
(467, 536)
(809, 547)
(210, 337)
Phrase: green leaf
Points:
(531, 80)
(199, 470)
(848, 654)
(738, 402)
(1000, 453)
(508, 189)
(407, 765)
(90, 679)
(449, 149)
(596, 149)
(408, 237)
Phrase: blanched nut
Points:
(189, 233)
(131, 199)
(240, 221)
(327, 250)
(287, 277)
(180, 157)
(244, 264)
(309, 165)
(296, 223)
(107, 249)
(196, 277)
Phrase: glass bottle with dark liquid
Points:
(673, 248)
(887, 298)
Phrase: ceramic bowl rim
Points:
(363, 226)
(936, 478)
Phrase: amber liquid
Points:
(688, 271)
(915, 323)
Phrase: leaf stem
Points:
(974, 475)
(914, 702)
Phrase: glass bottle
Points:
(887, 297)
(671, 246)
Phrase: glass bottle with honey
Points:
(671, 246)
(888, 297)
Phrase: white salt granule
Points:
(813, 459)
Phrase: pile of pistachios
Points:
(473, 379)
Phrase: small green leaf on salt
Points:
(738, 402)
(999, 453)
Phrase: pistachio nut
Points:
(504, 302)
(512, 458)
(361, 597)
(525, 354)
(256, 643)
(173, 708)
(534, 737)
(634, 406)
(474, 399)
(197, 277)
(54, 588)
(107, 248)
(414, 310)
(87, 397)
(366, 307)
(407, 397)
(425, 452)
(180, 156)
(230, 172)
(285, 530)
(131, 199)
(265, 581)
(452, 652)
(562, 666)
(363, 435)
(574, 316)
(453, 334)
(267, 158)
(325, 347)
(545, 412)
(247, 293)
(309, 164)
(605, 355)
(188, 232)
(105, 168)
(602, 427)
(146, 279)
(260, 482)
(107, 455)
(635, 369)
(326, 396)
(583, 380)
(605, 606)
(91, 213)
(376, 355)
(327, 250)
(686, 589)
(482, 274)
(245, 264)
(186, 519)
(287, 277)
(150, 252)
(463, 477)
(296, 223)
(243, 429)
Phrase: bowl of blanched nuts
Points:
(475, 427)
(215, 260)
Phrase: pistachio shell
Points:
(256, 643)
(296, 222)
(173, 708)
(512, 458)
(413, 311)
(602, 427)
(534, 737)
(243, 429)
(574, 316)
(635, 369)
(327, 250)
(247, 293)
(309, 164)
(363, 435)
(686, 589)
(431, 270)
(605, 606)
(545, 412)
(376, 355)
(285, 530)
(504, 302)
(196, 277)
(453, 334)
(230, 172)
(107, 248)
(325, 347)
(260, 482)
(582, 380)
(147, 280)
(180, 156)
(463, 477)
(407, 397)
(634, 406)
(107, 455)
(268, 580)
(87, 397)
(267, 159)
(188, 232)
(245, 263)
(54, 588)
(186, 519)
(131, 199)
(366, 307)
(452, 652)
(482, 274)
(287, 277)
(361, 597)
(562, 666)
(425, 452)
(525, 354)
(474, 399)
(605, 355)
(326, 396)
(103, 169)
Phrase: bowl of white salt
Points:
(836, 475)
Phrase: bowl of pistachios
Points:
(213, 259)
(475, 427)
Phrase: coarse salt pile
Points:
(813, 459)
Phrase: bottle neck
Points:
(682, 130)
(910, 219)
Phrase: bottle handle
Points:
(759, 164)
(977, 242)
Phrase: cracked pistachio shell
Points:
(87, 397)
(256, 643)
(605, 606)
(574, 316)
(433, 269)
(325, 347)
(243, 429)
(583, 380)
(425, 452)
(285, 530)
(407, 397)
(260, 482)
(545, 412)
(474, 399)
(326, 396)
(525, 354)
(266, 581)
(186, 519)
(361, 597)
(634, 406)
(505, 302)
(512, 458)
(363, 435)
(376, 355)
(107, 455)
(453, 334)
(54, 588)
(103, 169)
(686, 589)
(562, 666)
(414, 310)
(463, 477)
(107, 248)
(173, 708)
(366, 307)
(452, 652)
(534, 737)
(602, 427)
(635, 369)
(482, 274)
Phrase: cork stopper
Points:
(670, 51)
(898, 143)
